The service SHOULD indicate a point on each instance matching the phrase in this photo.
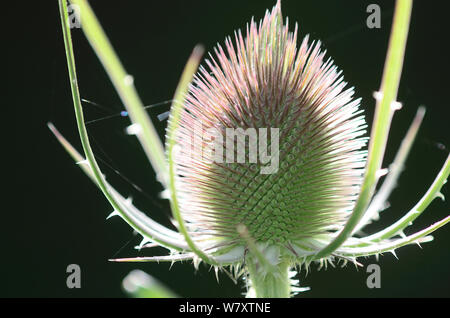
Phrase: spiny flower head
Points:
(292, 104)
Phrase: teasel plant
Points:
(263, 227)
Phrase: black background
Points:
(53, 215)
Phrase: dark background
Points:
(54, 216)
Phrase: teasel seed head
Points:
(263, 82)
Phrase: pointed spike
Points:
(307, 267)
(128, 80)
(425, 239)
(216, 270)
(129, 201)
(385, 206)
(83, 162)
(174, 222)
(166, 258)
(165, 194)
(439, 195)
(148, 245)
(196, 260)
(381, 172)
(291, 274)
(355, 262)
(144, 241)
(163, 116)
(320, 265)
(378, 96)
(134, 129)
(114, 213)
(300, 267)
(396, 105)
(300, 289)
(331, 263)
(393, 253)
